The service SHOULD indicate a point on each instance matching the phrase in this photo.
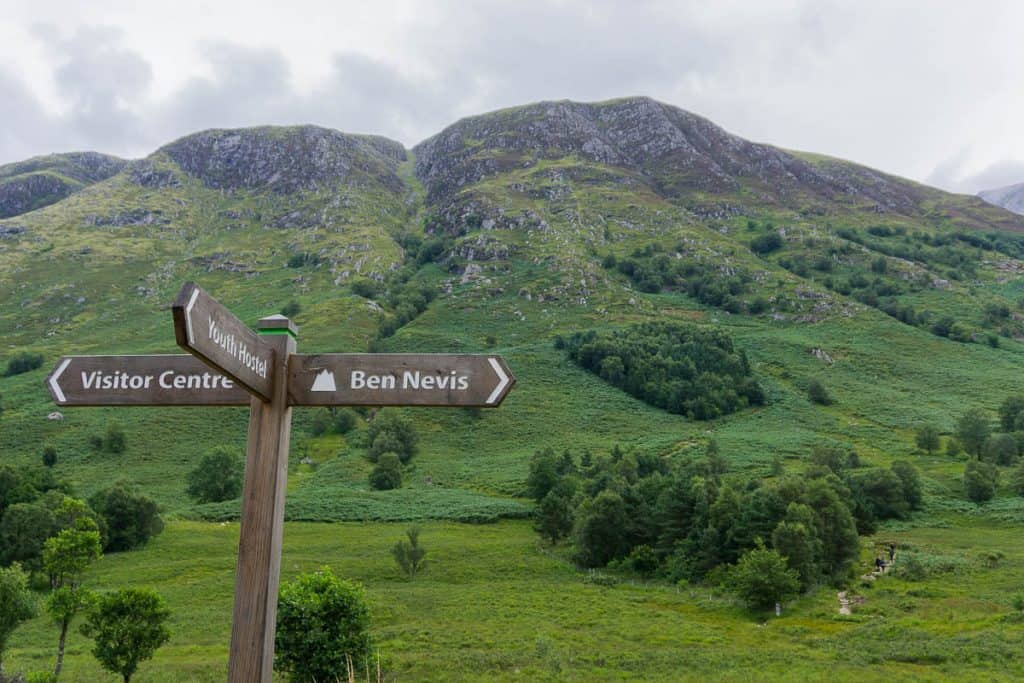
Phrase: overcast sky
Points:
(932, 90)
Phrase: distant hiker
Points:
(892, 552)
(879, 564)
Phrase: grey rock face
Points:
(677, 152)
(286, 159)
(40, 181)
(1010, 198)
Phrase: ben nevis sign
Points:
(230, 364)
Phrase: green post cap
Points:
(278, 324)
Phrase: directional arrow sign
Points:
(398, 379)
(141, 381)
(206, 329)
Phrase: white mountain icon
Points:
(324, 381)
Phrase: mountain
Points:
(502, 234)
(40, 181)
(1010, 197)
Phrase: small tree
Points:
(23, 531)
(761, 578)
(217, 477)
(127, 628)
(980, 481)
(972, 431)
(553, 517)
(322, 624)
(1001, 449)
(132, 518)
(409, 554)
(387, 474)
(66, 556)
(392, 433)
(927, 438)
(17, 601)
(1010, 413)
(543, 474)
(49, 456)
(911, 480)
(817, 393)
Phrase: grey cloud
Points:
(951, 175)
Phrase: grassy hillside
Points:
(904, 301)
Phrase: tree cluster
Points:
(688, 518)
(23, 361)
(393, 442)
(683, 369)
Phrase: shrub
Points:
(409, 555)
(1001, 449)
(114, 440)
(217, 477)
(817, 393)
(765, 244)
(1010, 413)
(291, 309)
(387, 474)
(392, 433)
(553, 516)
(24, 361)
(980, 481)
(927, 438)
(19, 603)
(303, 259)
(368, 289)
(131, 517)
(49, 456)
(322, 623)
(972, 431)
(761, 578)
(127, 628)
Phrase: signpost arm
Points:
(251, 656)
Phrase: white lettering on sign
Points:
(97, 380)
(411, 379)
(238, 349)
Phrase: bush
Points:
(681, 368)
(387, 474)
(291, 309)
(927, 438)
(761, 578)
(765, 244)
(131, 517)
(368, 289)
(980, 481)
(49, 456)
(24, 361)
(127, 628)
(973, 430)
(217, 477)
(1010, 413)
(303, 259)
(19, 603)
(1001, 449)
(409, 555)
(392, 433)
(817, 393)
(553, 516)
(114, 440)
(322, 624)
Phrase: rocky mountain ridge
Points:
(40, 181)
(1010, 197)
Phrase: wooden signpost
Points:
(232, 365)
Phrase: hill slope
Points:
(38, 182)
(1010, 197)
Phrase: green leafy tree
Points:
(836, 527)
(127, 628)
(927, 438)
(973, 430)
(795, 541)
(409, 555)
(882, 491)
(66, 556)
(17, 604)
(392, 433)
(1001, 449)
(387, 473)
(980, 481)
(601, 535)
(132, 518)
(1010, 412)
(911, 481)
(217, 477)
(543, 474)
(322, 624)
(762, 578)
(23, 531)
(553, 516)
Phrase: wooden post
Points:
(251, 658)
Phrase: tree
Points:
(1010, 413)
(18, 604)
(543, 474)
(23, 531)
(387, 474)
(132, 518)
(114, 439)
(980, 480)
(66, 556)
(127, 628)
(409, 554)
(217, 477)
(927, 438)
(761, 578)
(601, 536)
(553, 517)
(882, 490)
(322, 624)
(49, 456)
(817, 393)
(1001, 449)
(794, 539)
(972, 431)
(835, 527)
(392, 433)
(911, 480)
